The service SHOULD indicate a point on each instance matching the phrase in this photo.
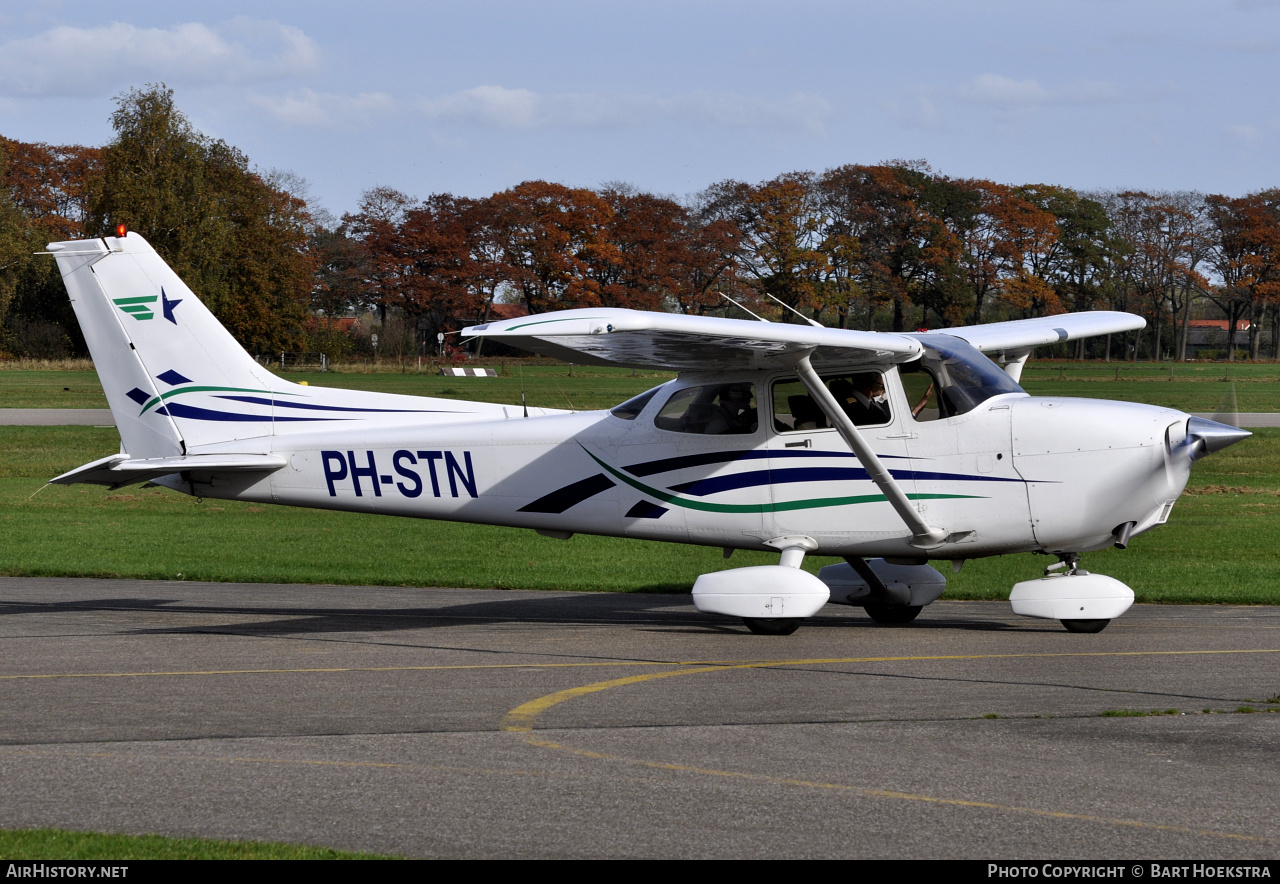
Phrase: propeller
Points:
(1201, 436)
(1228, 410)
(1206, 436)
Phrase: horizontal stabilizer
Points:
(120, 469)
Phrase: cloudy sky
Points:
(672, 96)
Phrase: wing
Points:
(1021, 335)
(673, 341)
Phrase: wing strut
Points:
(924, 535)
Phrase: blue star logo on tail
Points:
(168, 306)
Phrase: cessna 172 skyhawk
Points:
(886, 450)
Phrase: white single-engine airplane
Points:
(884, 449)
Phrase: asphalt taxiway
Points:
(483, 723)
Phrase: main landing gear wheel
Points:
(772, 625)
(1084, 625)
(897, 614)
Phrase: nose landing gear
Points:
(1081, 601)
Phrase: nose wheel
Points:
(772, 625)
(1080, 601)
(1084, 625)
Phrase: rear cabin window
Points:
(861, 395)
(712, 410)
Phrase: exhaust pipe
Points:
(1121, 534)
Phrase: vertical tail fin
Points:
(153, 343)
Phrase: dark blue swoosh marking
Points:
(646, 510)
(177, 409)
(706, 458)
(570, 495)
(733, 481)
(716, 484)
(258, 400)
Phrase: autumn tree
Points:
(710, 248)
(15, 242)
(1246, 256)
(899, 249)
(1010, 250)
(548, 235)
(47, 185)
(240, 243)
(644, 260)
(1077, 265)
(781, 225)
(1162, 247)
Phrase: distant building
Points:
(1207, 338)
(507, 311)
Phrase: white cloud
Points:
(1245, 132)
(88, 61)
(994, 89)
(502, 108)
(915, 112)
(326, 110)
(1005, 92)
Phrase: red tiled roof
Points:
(507, 311)
(1241, 324)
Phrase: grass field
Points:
(54, 844)
(1219, 546)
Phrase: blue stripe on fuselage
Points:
(789, 476)
(706, 458)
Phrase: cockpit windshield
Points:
(631, 409)
(958, 377)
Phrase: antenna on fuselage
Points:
(522, 399)
(812, 322)
(740, 307)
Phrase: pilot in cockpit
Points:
(862, 398)
(733, 412)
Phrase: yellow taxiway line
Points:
(521, 720)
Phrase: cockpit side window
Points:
(712, 410)
(921, 389)
(861, 395)
(951, 377)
